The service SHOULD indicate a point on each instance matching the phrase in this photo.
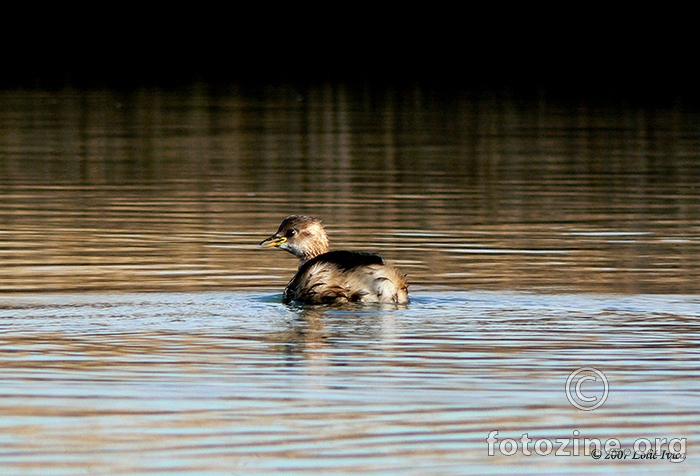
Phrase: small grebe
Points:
(333, 276)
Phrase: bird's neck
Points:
(317, 248)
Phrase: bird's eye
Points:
(290, 233)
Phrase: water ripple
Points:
(207, 382)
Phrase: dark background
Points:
(630, 56)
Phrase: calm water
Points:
(142, 331)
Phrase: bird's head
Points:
(301, 235)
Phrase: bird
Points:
(333, 277)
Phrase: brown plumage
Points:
(333, 276)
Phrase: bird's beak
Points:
(273, 241)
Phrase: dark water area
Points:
(172, 189)
(142, 330)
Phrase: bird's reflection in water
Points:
(312, 332)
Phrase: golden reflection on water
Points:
(172, 190)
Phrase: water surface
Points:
(142, 331)
(219, 382)
(171, 190)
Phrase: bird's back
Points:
(347, 276)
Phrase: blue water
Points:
(238, 383)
